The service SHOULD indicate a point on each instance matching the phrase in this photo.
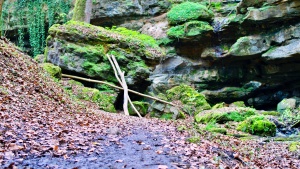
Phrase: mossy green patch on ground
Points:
(52, 70)
(187, 11)
(258, 125)
(271, 113)
(193, 101)
(189, 29)
(167, 116)
(104, 100)
(3, 90)
(294, 146)
(194, 139)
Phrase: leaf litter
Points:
(42, 127)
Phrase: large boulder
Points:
(83, 48)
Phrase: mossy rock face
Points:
(142, 108)
(218, 105)
(190, 30)
(224, 115)
(187, 11)
(238, 104)
(258, 125)
(52, 70)
(83, 48)
(192, 100)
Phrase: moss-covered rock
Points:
(193, 101)
(258, 125)
(142, 108)
(218, 105)
(52, 70)
(104, 100)
(190, 29)
(238, 104)
(224, 115)
(83, 48)
(187, 11)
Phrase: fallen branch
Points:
(117, 87)
(112, 60)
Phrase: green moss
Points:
(272, 113)
(142, 108)
(167, 116)
(74, 82)
(93, 53)
(219, 130)
(52, 70)
(294, 146)
(193, 101)
(258, 125)
(189, 29)
(93, 69)
(104, 100)
(218, 105)
(223, 117)
(194, 139)
(239, 104)
(181, 128)
(187, 11)
(78, 14)
(134, 35)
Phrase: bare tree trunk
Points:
(1, 4)
(88, 11)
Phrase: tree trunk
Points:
(88, 11)
(78, 14)
(1, 4)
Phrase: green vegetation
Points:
(93, 53)
(294, 146)
(142, 108)
(258, 125)
(271, 113)
(194, 139)
(239, 104)
(192, 28)
(32, 15)
(187, 11)
(218, 105)
(135, 36)
(223, 117)
(52, 70)
(167, 116)
(78, 14)
(104, 100)
(96, 70)
(194, 102)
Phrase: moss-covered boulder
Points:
(187, 11)
(193, 101)
(223, 115)
(190, 29)
(258, 125)
(52, 70)
(83, 48)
